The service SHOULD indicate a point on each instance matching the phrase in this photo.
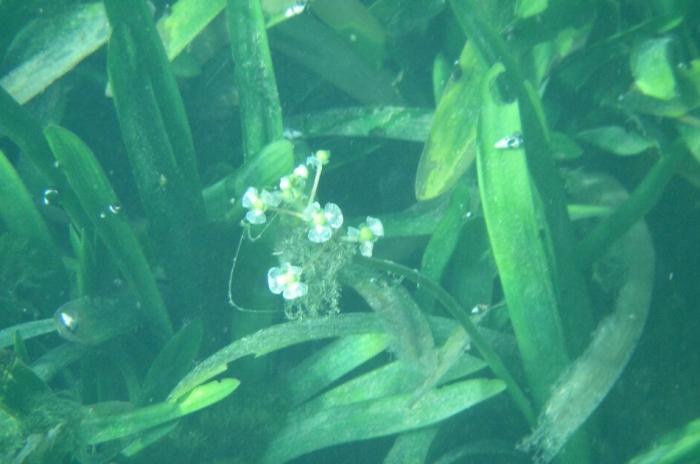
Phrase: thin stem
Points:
(286, 211)
(460, 314)
(230, 283)
(317, 178)
(637, 205)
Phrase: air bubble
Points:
(114, 208)
(295, 9)
(49, 196)
(512, 142)
(57, 164)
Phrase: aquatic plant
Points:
(487, 265)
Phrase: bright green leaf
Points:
(653, 70)
(527, 8)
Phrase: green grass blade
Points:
(411, 337)
(391, 379)
(520, 253)
(419, 219)
(162, 184)
(571, 290)
(679, 446)
(21, 217)
(95, 193)
(152, 58)
(587, 381)
(412, 447)
(494, 361)
(56, 359)
(99, 429)
(329, 364)
(387, 122)
(187, 18)
(444, 240)
(54, 45)
(451, 145)
(306, 432)
(261, 113)
(275, 338)
(264, 169)
(26, 133)
(351, 18)
(337, 62)
(172, 362)
(26, 331)
(641, 201)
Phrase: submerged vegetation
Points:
(393, 231)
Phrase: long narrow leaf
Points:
(520, 253)
(25, 131)
(99, 429)
(162, 183)
(261, 113)
(304, 433)
(451, 145)
(275, 338)
(152, 58)
(101, 206)
(21, 217)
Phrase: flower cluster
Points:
(294, 199)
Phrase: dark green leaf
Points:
(102, 207)
(336, 62)
(391, 122)
(21, 217)
(173, 362)
(616, 140)
(261, 114)
(146, 53)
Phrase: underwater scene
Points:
(349, 231)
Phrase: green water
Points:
(390, 231)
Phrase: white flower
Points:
(366, 235)
(258, 203)
(292, 186)
(286, 280)
(301, 171)
(322, 221)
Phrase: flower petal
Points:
(295, 290)
(366, 249)
(271, 198)
(334, 215)
(376, 226)
(320, 234)
(256, 216)
(275, 280)
(249, 197)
